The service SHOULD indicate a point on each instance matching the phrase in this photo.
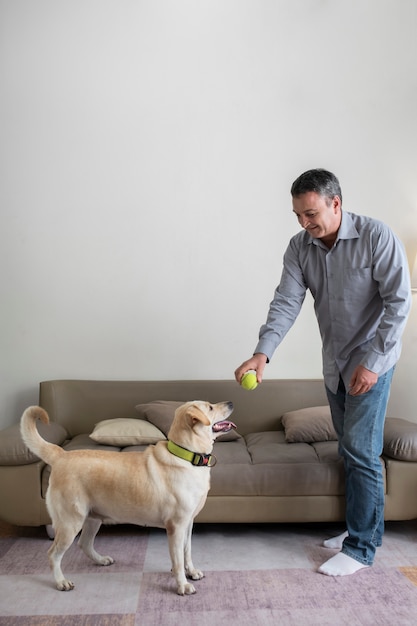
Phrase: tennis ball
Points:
(249, 381)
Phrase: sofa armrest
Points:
(400, 439)
(13, 451)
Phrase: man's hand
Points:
(362, 381)
(256, 363)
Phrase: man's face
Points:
(319, 215)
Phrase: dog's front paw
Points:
(186, 590)
(195, 574)
(106, 560)
(65, 585)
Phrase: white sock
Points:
(341, 565)
(336, 543)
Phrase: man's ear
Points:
(337, 204)
(197, 415)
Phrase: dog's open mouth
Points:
(223, 427)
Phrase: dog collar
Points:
(201, 460)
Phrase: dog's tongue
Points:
(223, 427)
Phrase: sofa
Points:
(280, 465)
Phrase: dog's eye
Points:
(210, 407)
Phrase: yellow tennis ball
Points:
(249, 381)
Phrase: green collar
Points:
(201, 460)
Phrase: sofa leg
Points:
(50, 531)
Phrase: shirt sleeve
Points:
(286, 304)
(390, 270)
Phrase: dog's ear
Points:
(197, 415)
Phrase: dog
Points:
(165, 486)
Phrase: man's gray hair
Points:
(318, 180)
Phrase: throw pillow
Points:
(309, 425)
(125, 431)
(400, 439)
(161, 413)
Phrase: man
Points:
(357, 273)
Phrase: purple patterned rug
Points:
(129, 594)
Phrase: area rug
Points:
(128, 594)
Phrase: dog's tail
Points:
(48, 452)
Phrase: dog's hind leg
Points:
(64, 537)
(190, 570)
(86, 541)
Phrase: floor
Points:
(254, 574)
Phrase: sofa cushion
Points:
(309, 425)
(14, 452)
(125, 431)
(281, 469)
(400, 439)
(161, 413)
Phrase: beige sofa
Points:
(281, 466)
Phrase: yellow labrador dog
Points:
(165, 486)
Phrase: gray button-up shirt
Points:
(362, 297)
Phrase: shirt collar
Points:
(347, 229)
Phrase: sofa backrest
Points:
(79, 404)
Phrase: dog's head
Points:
(197, 424)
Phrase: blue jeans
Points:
(359, 424)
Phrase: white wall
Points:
(147, 151)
